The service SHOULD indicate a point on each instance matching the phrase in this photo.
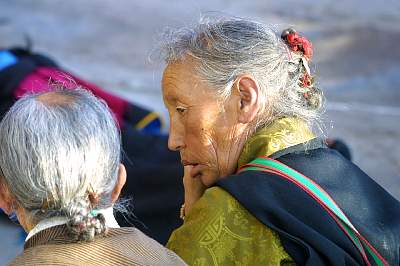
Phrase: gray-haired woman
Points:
(61, 175)
(260, 187)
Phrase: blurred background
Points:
(111, 43)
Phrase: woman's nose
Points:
(175, 139)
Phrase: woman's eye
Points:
(180, 110)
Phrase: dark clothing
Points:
(154, 183)
(308, 233)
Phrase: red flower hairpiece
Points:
(297, 43)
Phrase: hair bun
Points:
(314, 98)
(84, 224)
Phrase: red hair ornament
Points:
(297, 43)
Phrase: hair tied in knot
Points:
(297, 43)
(93, 197)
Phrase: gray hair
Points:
(52, 151)
(225, 48)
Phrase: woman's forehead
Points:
(183, 83)
(180, 70)
(180, 80)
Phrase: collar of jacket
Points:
(60, 222)
(60, 235)
(280, 134)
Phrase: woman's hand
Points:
(193, 186)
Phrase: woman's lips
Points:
(195, 168)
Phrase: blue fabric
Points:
(153, 128)
(7, 59)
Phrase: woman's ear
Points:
(248, 91)
(119, 184)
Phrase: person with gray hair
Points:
(61, 175)
(261, 188)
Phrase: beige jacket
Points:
(121, 246)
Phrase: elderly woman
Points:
(61, 175)
(260, 187)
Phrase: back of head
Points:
(57, 150)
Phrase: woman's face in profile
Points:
(202, 127)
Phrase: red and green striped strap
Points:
(266, 164)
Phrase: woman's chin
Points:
(208, 178)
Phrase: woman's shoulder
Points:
(217, 204)
(216, 196)
(218, 209)
(142, 247)
(219, 230)
(121, 246)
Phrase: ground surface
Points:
(110, 42)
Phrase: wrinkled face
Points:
(203, 128)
